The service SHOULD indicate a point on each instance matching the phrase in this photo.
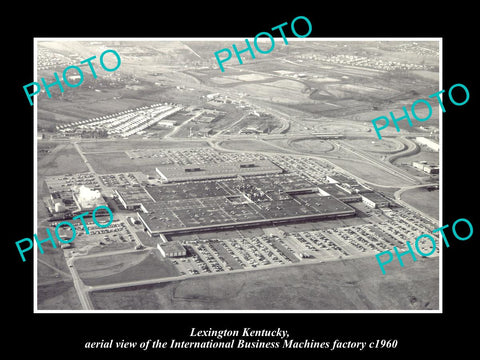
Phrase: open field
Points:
(119, 145)
(44, 148)
(349, 284)
(275, 94)
(369, 172)
(387, 146)
(423, 200)
(429, 156)
(114, 162)
(346, 127)
(59, 296)
(250, 145)
(64, 158)
(132, 266)
(53, 257)
(55, 286)
(312, 145)
(106, 162)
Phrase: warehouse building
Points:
(426, 167)
(340, 179)
(339, 193)
(217, 213)
(172, 249)
(428, 142)
(375, 200)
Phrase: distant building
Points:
(167, 123)
(212, 96)
(205, 131)
(419, 164)
(260, 129)
(431, 169)
(73, 78)
(340, 179)
(426, 167)
(338, 192)
(172, 249)
(353, 188)
(428, 142)
(132, 198)
(375, 200)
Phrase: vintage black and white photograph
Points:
(186, 175)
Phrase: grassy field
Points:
(423, 200)
(52, 256)
(275, 94)
(125, 267)
(368, 172)
(113, 162)
(58, 296)
(248, 145)
(374, 145)
(61, 160)
(118, 145)
(340, 285)
(313, 145)
(55, 288)
(429, 156)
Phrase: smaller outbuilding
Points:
(172, 249)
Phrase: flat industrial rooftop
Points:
(204, 205)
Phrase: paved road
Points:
(84, 158)
(82, 292)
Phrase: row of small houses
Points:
(111, 116)
(125, 123)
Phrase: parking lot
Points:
(115, 237)
(246, 253)
(122, 179)
(211, 256)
